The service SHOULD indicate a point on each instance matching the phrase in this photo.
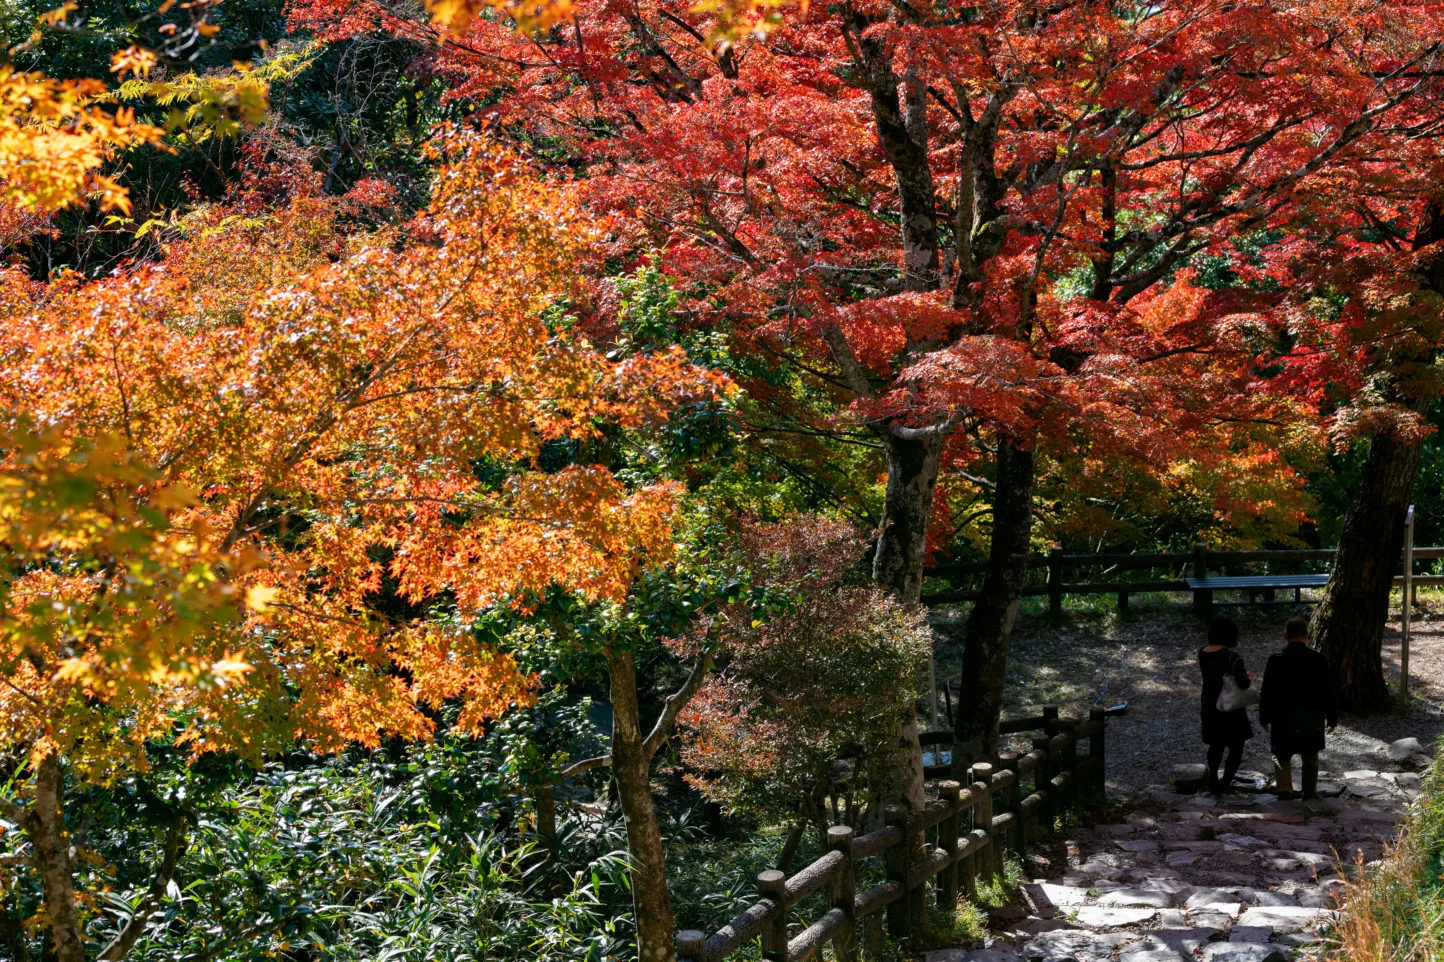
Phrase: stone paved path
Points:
(1186, 878)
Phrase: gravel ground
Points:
(1148, 659)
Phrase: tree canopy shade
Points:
(378, 420)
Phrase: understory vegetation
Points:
(1394, 911)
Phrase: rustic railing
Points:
(1197, 563)
(957, 840)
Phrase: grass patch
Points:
(1394, 912)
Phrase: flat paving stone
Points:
(1281, 919)
(1074, 945)
(1250, 933)
(1185, 939)
(1235, 841)
(1152, 950)
(1044, 895)
(1138, 846)
(1209, 920)
(1371, 788)
(1245, 952)
(1136, 898)
(1102, 917)
(974, 955)
(1212, 896)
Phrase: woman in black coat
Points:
(1223, 730)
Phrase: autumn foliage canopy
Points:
(377, 420)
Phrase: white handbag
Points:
(1231, 697)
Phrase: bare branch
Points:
(586, 765)
(852, 371)
(675, 703)
(12, 811)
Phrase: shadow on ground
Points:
(1148, 659)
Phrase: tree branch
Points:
(12, 811)
(675, 703)
(586, 765)
(921, 434)
(175, 846)
(847, 361)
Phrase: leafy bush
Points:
(817, 669)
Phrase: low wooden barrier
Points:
(1059, 567)
(959, 838)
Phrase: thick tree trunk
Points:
(45, 825)
(1348, 625)
(990, 625)
(632, 763)
(902, 132)
(912, 473)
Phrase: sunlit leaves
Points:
(117, 608)
(54, 140)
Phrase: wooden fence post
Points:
(844, 894)
(691, 946)
(1071, 793)
(1055, 584)
(1051, 725)
(903, 914)
(1012, 802)
(951, 793)
(1202, 599)
(773, 885)
(982, 775)
(1097, 746)
(1043, 784)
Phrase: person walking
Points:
(1225, 728)
(1297, 705)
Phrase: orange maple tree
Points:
(377, 420)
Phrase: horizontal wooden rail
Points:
(1056, 565)
(961, 836)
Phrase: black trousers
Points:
(1230, 768)
(1284, 776)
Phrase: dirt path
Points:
(1149, 661)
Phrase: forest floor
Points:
(1148, 658)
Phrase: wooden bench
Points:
(1203, 588)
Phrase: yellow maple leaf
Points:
(260, 597)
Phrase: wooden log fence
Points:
(1058, 566)
(965, 834)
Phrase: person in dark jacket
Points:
(1223, 730)
(1296, 705)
